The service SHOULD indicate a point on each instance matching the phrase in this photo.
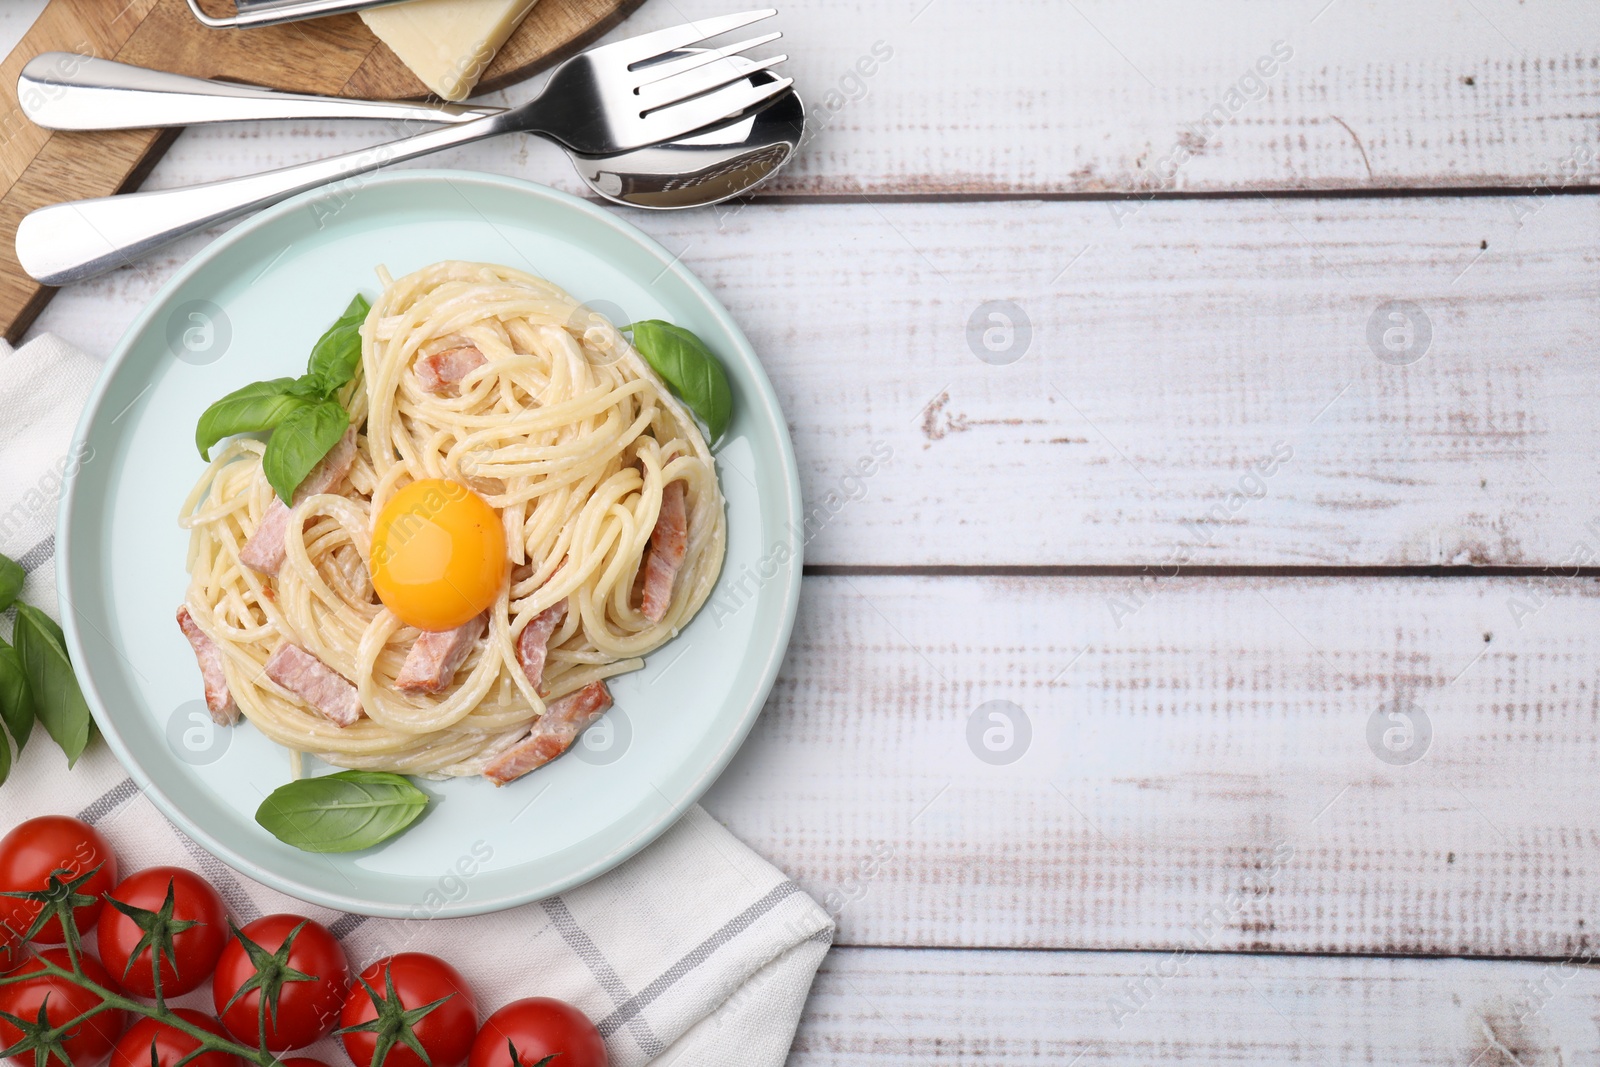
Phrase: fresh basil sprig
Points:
(37, 680)
(53, 686)
(297, 411)
(337, 353)
(343, 812)
(255, 407)
(689, 367)
(11, 579)
(16, 710)
(299, 442)
(16, 703)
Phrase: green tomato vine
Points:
(46, 1042)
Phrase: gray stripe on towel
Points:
(38, 554)
(109, 801)
(601, 968)
(217, 873)
(345, 925)
(735, 926)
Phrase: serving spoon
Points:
(66, 91)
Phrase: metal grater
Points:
(250, 13)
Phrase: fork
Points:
(600, 102)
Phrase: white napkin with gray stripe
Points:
(697, 951)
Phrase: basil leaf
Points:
(686, 364)
(343, 812)
(16, 703)
(299, 442)
(11, 579)
(57, 700)
(337, 353)
(257, 406)
(308, 386)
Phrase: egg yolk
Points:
(438, 554)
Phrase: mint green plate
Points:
(249, 307)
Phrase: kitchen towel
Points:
(696, 951)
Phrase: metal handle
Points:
(252, 13)
(79, 239)
(66, 91)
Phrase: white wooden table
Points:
(1290, 605)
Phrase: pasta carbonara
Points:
(482, 391)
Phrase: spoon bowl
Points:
(706, 167)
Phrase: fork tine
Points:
(694, 83)
(649, 45)
(676, 120)
(657, 71)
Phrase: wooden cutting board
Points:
(330, 55)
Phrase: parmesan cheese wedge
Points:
(447, 43)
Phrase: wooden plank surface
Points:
(1202, 773)
(886, 1008)
(1004, 98)
(1200, 384)
(1207, 762)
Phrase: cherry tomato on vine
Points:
(34, 850)
(307, 1010)
(124, 942)
(169, 1043)
(63, 1001)
(415, 990)
(538, 1027)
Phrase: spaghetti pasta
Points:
(561, 427)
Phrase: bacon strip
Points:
(219, 701)
(435, 656)
(669, 543)
(552, 734)
(316, 683)
(533, 644)
(441, 373)
(265, 550)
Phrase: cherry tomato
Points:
(418, 979)
(63, 1001)
(195, 949)
(538, 1027)
(169, 1043)
(306, 1010)
(33, 851)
